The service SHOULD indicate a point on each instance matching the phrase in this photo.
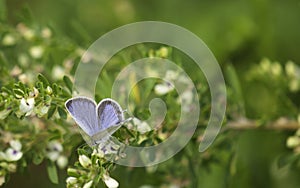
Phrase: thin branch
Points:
(282, 124)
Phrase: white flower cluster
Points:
(166, 86)
(109, 182)
(139, 125)
(54, 153)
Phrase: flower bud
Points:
(88, 184)
(62, 161)
(71, 180)
(8, 40)
(73, 172)
(293, 141)
(36, 51)
(110, 182)
(85, 161)
(49, 90)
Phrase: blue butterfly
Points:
(97, 122)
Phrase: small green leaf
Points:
(22, 86)
(68, 83)
(18, 93)
(43, 80)
(51, 111)
(52, 172)
(40, 87)
(62, 113)
(56, 88)
(6, 90)
(234, 82)
(37, 158)
(73, 172)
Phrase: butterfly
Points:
(97, 122)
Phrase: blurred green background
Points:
(239, 32)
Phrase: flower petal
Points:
(13, 155)
(88, 184)
(85, 161)
(110, 182)
(15, 144)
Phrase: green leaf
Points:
(51, 111)
(37, 158)
(40, 86)
(286, 159)
(233, 80)
(56, 88)
(18, 93)
(62, 113)
(43, 80)
(68, 83)
(52, 172)
(6, 90)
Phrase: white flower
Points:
(98, 152)
(62, 161)
(276, 69)
(290, 69)
(162, 52)
(171, 75)
(34, 93)
(85, 161)
(161, 89)
(26, 106)
(110, 182)
(186, 97)
(16, 144)
(88, 184)
(46, 33)
(12, 153)
(293, 141)
(141, 126)
(36, 51)
(58, 72)
(55, 145)
(16, 71)
(265, 65)
(71, 180)
(54, 149)
(294, 85)
(29, 34)
(9, 40)
(184, 79)
(41, 110)
(26, 32)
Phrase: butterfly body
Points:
(97, 122)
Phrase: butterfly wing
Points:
(83, 111)
(110, 115)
